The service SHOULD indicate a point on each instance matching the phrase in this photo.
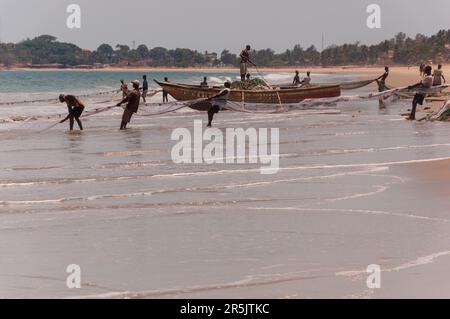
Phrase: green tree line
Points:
(401, 49)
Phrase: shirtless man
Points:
(381, 81)
(205, 82)
(296, 80)
(124, 88)
(165, 95)
(75, 108)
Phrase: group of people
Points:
(132, 97)
(306, 80)
(429, 79)
(218, 101)
(438, 74)
(125, 90)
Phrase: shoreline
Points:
(331, 69)
(399, 75)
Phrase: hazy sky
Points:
(215, 25)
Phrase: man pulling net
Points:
(218, 102)
(132, 99)
(75, 108)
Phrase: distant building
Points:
(210, 58)
(386, 57)
(83, 66)
(100, 65)
(47, 66)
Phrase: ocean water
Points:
(357, 185)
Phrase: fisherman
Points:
(419, 97)
(218, 102)
(144, 88)
(307, 80)
(296, 78)
(421, 68)
(132, 100)
(438, 76)
(124, 89)
(205, 82)
(245, 58)
(75, 108)
(164, 93)
(381, 81)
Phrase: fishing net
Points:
(253, 84)
(308, 103)
(355, 84)
(442, 115)
(55, 99)
(352, 85)
(318, 106)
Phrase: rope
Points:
(56, 100)
(107, 108)
(233, 106)
(151, 93)
(309, 103)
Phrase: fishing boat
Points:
(184, 92)
(344, 85)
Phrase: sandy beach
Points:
(225, 159)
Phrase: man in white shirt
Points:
(420, 96)
(307, 80)
(218, 102)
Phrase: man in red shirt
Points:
(245, 58)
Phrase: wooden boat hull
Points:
(344, 85)
(181, 92)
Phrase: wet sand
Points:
(356, 188)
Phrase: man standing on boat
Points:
(205, 82)
(75, 107)
(245, 59)
(132, 100)
(296, 78)
(307, 80)
(218, 102)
